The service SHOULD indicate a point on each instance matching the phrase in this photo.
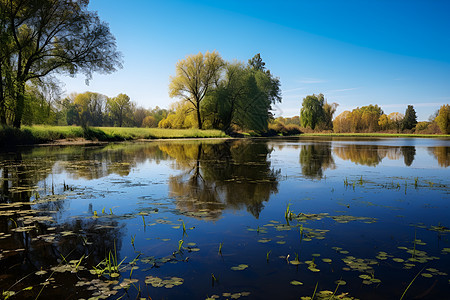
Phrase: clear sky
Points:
(356, 52)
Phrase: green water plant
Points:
(180, 244)
(133, 237)
(315, 290)
(220, 248)
(267, 255)
(184, 229)
(109, 265)
(213, 279)
(409, 285)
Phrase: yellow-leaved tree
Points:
(194, 76)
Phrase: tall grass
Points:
(29, 135)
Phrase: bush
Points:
(279, 128)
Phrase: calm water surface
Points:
(227, 219)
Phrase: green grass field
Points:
(29, 135)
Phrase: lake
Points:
(296, 218)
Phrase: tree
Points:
(195, 75)
(256, 63)
(90, 107)
(312, 110)
(149, 121)
(342, 122)
(383, 122)
(410, 119)
(48, 36)
(243, 97)
(119, 108)
(328, 112)
(443, 119)
(370, 115)
(396, 121)
(139, 114)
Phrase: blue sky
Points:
(386, 52)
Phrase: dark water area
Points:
(227, 219)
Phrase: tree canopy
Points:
(443, 119)
(239, 95)
(316, 111)
(40, 38)
(194, 76)
(410, 119)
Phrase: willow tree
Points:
(312, 112)
(243, 97)
(195, 75)
(49, 36)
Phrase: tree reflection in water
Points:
(315, 159)
(233, 174)
(442, 154)
(372, 155)
(32, 240)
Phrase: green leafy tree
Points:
(243, 97)
(312, 112)
(194, 76)
(410, 119)
(370, 115)
(443, 119)
(120, 109)
(90, 107)
(48, 36)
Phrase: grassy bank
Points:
(393, 135)
(46, 134)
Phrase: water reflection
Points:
(442, 154)
(233, 174)
(97, 162)
(372, 155)
(31, 237)
(315, 159)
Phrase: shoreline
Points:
(73, 136)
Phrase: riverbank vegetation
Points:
(28, 135)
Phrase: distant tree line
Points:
(316, 114)
(94, 109)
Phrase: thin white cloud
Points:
(311, 80)
(423, 104)
(292, 90)
(343, 90)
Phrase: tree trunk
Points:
(2, 100)
(199, 119)
(20, 103)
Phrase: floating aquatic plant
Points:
(239, 267)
